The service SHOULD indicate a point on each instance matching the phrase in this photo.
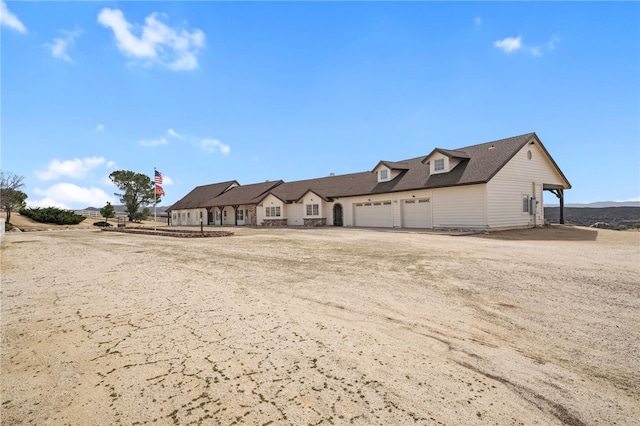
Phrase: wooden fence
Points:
(95, 213)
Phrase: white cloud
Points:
(59, 46)
(76, 168)
(176, 49)
(100, 128)
(477, 21)
(70, 196)
(213, 145)
(154, 142)
(509, 44)
(175, 134)
(166, 180)
(10, 20)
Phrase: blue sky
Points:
(254, 91)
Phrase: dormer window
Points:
(384, 174)
(438, 165)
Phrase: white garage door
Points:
(416, 213)
(376, 214)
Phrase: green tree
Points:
(108, 211)
(11, 198)
(146, 212)
(137, 190)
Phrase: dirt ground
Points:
(321, 326)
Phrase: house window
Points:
(313, 209)
(525, 204)
(438, 164)
(384, 174)
(174, 216)
(224, 214)
(240, 215)
(189, 214)
(272, 211)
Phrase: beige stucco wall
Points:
(270, 201)
(295, 212)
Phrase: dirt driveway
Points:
(321, 326)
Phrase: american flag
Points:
(158, 178)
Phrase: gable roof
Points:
(393, 165)
(479, 163)
(484, 161)
(201, 194)
(243, 194)
(327, 187)
(449, 153)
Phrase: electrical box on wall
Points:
(533, 204)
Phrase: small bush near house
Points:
(102, 224)
(8, 226)
(53, 215)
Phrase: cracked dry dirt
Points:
(322, 326)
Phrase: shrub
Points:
(103, 224)
(53, 215)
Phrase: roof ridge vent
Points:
(492, 146)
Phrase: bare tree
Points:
(11, 196)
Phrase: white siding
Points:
(416, 213)
(188, 217)
(520, 177)
(432, 161)
(459, 207)
(228, 216)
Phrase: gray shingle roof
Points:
(244, 194)
(327, 187)
(200, 195)
(479, 163)
(451, 153)
(394, 165)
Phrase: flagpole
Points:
(155, 200)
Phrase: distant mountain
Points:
(620, 217)
(120, 208)
(598, 204)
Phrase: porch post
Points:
(221, 210)
(235, 213)
(561, 196)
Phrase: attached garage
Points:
(416, 213)
(374, 214)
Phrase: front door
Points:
(337, 215)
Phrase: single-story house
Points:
(490, 186)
